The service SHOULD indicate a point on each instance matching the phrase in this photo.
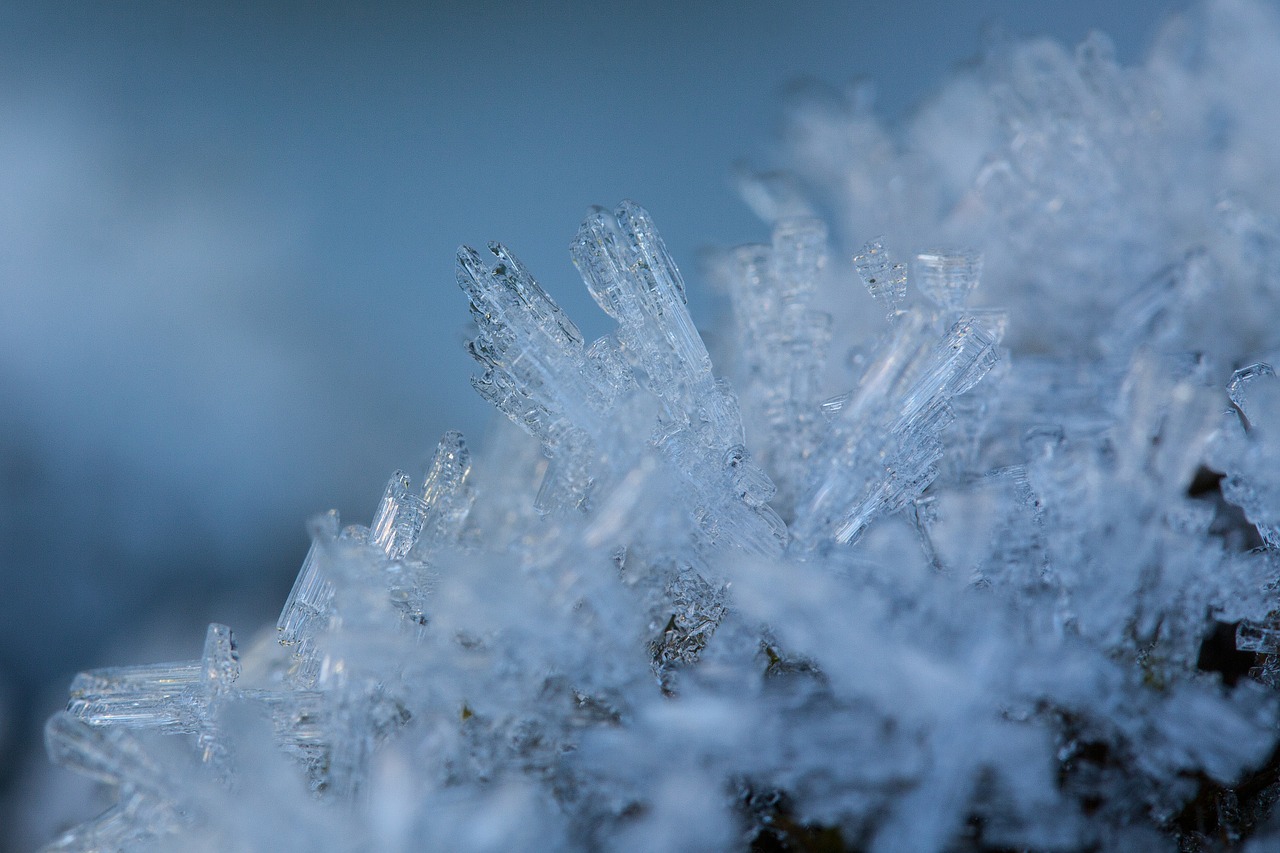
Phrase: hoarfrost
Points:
(990, 565)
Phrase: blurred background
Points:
(226, 265)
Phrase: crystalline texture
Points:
(1019, 542)
(948, 278)
(883, 447)
(536, 370)
(783, 347)
(885, 279)
(1238, 388)
(1251, 456)
(174, 697)
(631, 276)
(403, 522)
(570, 398)
(150, 798)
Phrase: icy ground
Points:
(967, 538)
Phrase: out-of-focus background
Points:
(226, 264)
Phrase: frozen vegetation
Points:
(962, 548)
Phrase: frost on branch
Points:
(960, 548)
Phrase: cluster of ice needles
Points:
(946, 549)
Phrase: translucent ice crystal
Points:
(647, 387)
(975, 552)
(886, 280)
(782, 348)
(948, 277)
(882, 449)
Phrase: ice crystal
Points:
(986, 562)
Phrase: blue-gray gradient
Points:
(226, 260)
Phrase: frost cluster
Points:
(959, 548)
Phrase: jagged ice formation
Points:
(972, 551)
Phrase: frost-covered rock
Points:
(986, 562)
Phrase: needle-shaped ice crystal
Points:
(531, 351)
(405, 521)
(537, 371)
(1238, 389)
(631, 276)
(783, 347)
(399, 518)
(448, 495)
(1250, 456)
(628, 271)
(885, 279)
(883, 447)
(579, 402)
(948, 277)
(173, 697)
(153, 801)
(306, 610)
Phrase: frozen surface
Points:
(969, 541)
